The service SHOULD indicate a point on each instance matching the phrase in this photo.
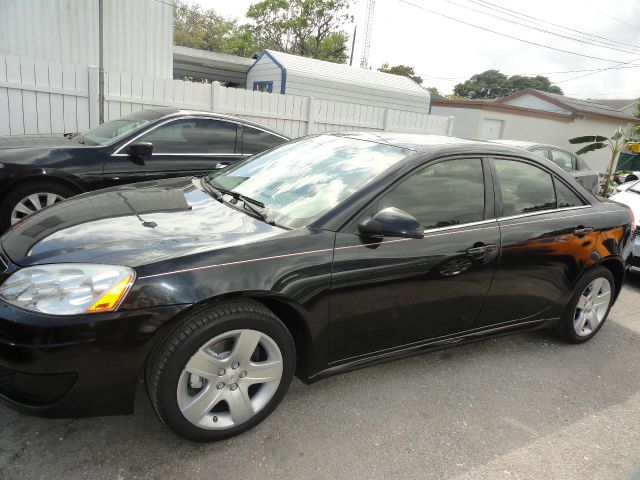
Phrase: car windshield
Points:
(299, 181)
(112, 131)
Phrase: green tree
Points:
(310, 28)
(494, 84)
(619, 140)
(403, 70)
(204, 29)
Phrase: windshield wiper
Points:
(251, 204)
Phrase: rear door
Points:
(547, 235)
(185, 146)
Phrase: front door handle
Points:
(221, 165)
(582, 231)
(481, 250)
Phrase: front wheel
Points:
(221, 371)
(29, 198)
(589, 307)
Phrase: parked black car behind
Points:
(38, 171)
(321, 255)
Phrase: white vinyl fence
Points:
(39, 98)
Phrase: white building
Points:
(137, 34)
(283, 73)
(536, 116)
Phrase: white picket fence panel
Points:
(37, 97)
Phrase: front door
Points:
(181, 147)
(390, 293)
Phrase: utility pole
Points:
(100, 62)
(353, 44)
(364, 60)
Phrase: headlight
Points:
(68, 288)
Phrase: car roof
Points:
(516, 143)
(409, 141)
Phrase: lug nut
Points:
(235, 365)
(234, 387)
(220, 386)
(243, 374)
(221, 372)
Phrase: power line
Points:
(596, 43)
(508, 36)
(613, 67)
(538, 73)
(616, 18)
(539, 21)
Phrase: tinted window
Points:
(447, 193)
(193, 135)
(562, 159)
(524, 188)
(566, 198)
(543, 152)
(255, 140)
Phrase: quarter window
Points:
(524, 188)
(447, 193)
(193, 136)
(255, 140)
(566, 198)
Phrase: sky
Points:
(445, 52)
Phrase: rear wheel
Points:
(221, 372)
(589, 307)
(29, 198)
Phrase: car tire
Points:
(214, 343)
(21, 193)
(589, 306)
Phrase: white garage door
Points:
(491, 129)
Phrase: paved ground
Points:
(519, 407)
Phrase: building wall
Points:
(265, 70)
(531, 101)
(138, 35)
(468, 124)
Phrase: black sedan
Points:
(319, 256)
(38, 171)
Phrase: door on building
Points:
(491, 129)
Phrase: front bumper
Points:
(76, 366)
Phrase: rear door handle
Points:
(582, 231)
(481, 250)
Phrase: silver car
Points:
(566, 160)
(629, 194)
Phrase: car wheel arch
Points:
(19, 182)
(290, 313)
(616, 267)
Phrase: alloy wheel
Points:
(229, 379)
(592, 307)
(32, 203)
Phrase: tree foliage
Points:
(494, 84)
(310, 28)
(403, 70)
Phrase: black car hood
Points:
(26, 141)
(134, 225)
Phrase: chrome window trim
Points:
(543, 212)
(449, 228)
(188, 116)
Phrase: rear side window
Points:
(562, 159)
(193, 136)
(543, 152)
(566, 198)
(256, 141)
(524, 188)
(447, 193)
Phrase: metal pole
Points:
(353, 44)
(100, 62)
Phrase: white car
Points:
(629, 194)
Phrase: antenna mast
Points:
(364, 60)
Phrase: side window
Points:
(566, 198)
(193, 136)
(562, 159)
(255, 140)
(440, 195)
(542, 152)
(524, 188)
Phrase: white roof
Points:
(343, 72)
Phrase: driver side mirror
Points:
(140, 149)
(391, 222)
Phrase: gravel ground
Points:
(518, 407)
